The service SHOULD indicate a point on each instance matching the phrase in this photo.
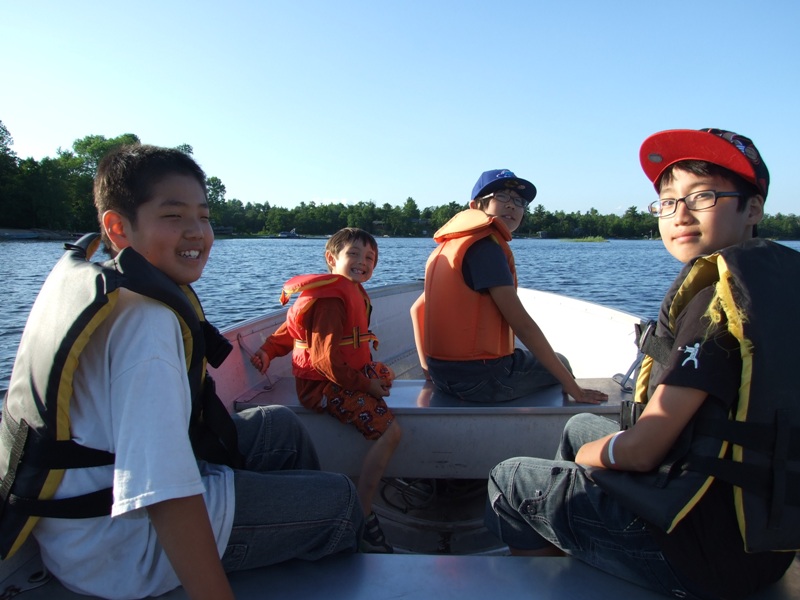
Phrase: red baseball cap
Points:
(724, 148)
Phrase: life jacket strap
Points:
(776, 480)
(43, 452)
(218, 440)
(355, 340)
(651, 344)
(13, 436)
(217, 345)
(758, 480)
(87, 506)
(359, 338)
(761, 437)
(64, 454)
(629, 413)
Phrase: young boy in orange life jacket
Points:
(466, 319)
(327, 332)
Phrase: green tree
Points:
(215, 191)
(442, 214)
(780, 226)
(56, 193)
(255, 215)
(92, 148)
(10, 198)
(393, 221)
(412, 216)
(45, 198)
(79, 167)
(278, 219)
(363, 215)
(6, 141)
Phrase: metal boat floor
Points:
(393, 576)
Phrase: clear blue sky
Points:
(348, 101)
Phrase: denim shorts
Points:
(285, 507)
(534, 503)
(496, 380)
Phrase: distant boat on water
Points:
(289, 235)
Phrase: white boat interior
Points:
(432, 502)
(443, 436)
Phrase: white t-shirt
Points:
(132, 398)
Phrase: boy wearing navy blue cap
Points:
(466, 320)
(687, 499)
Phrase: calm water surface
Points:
(243, 277)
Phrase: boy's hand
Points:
(589, 396)
(260, 361)
(377, 389)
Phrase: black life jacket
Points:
(755, 446)
(35, 435)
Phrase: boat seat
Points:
(444, 437)
(412, 395)
(466, 577)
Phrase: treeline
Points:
(56, 193)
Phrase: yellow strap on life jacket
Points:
(354, 340)
(287, 292)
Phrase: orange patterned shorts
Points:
(370, 415)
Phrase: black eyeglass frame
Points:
(519, 201)
(655, 208)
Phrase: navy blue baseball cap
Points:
(503, 179)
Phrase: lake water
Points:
(243, 277)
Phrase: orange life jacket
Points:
(354, 345)
(460, 323)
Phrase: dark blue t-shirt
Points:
(486, 266)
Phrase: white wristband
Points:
(611, 448)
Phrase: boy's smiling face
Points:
(690, 233)
(355, 261)
(172, 229)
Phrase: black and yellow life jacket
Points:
(755, 446)
(35, 435)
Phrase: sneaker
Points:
(373, 539)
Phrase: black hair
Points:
(126, 176)
(348, 235)
(482, 202)
(708, 169)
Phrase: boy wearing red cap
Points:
(671, 500)
(466, 319)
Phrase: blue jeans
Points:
(536, 502)
(496, 380)
(285, 506)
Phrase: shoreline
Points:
(7, 233)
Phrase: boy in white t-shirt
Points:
(174, 518)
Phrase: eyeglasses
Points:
(505, 198)
(665, 207)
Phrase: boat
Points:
(291, 235)
(431, 505)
